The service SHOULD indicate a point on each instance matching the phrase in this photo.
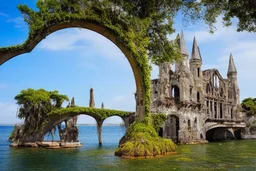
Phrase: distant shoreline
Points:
(77, 125)
(96, 125)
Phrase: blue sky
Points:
(73, 60)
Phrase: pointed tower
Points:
(91, 102)
(232, 76)
(72, 102)
(231, 67)
(196, 61)
(102, 105)
(184, 63)
(195, 67)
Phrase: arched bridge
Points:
(221, 129)
(58, 116)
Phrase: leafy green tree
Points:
(35, 104)
(150, 20)
(249, 105)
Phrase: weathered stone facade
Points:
(194, 100)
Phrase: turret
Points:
(232, 76)
(196, 61)
(72, 102)
(196, 92)
(184, 63)
(232, 72)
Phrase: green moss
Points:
(158, 120)
(94, 112)
(142, 140)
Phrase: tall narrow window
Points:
(189, 125)
(221, 114)
(190, 92)
(198, 97)
(198, 72)
(232, 113)
(215, 110)
(207, 104)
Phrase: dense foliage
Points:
(35, 104)
(249, 105)
(243, 10)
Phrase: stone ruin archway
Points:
(137, 60)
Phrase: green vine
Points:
(158, 120)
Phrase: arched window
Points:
(198, 72)
(176, 93)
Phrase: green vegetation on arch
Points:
(94, 112)
(142, 140)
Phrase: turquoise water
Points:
(233, 155)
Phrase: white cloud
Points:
(8, 113)
(81, 40)
(3, 15)
(3, 86)
(18, 22)
(240, 44)
(123, 102)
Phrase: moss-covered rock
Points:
(141, 140)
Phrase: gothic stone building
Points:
(191, 97)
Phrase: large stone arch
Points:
(65, 114)
(141, 72)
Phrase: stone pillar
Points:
(218, 110)
(213, 113)
(99, 131)
(91, 102)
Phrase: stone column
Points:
(213, 113)
(218, 110)
(99, 131)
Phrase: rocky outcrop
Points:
(45, 144)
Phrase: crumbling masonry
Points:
(194, 100)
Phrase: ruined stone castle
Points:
(193, 99)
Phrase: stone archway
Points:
(219, 134)
(141, 72)
(172, 127)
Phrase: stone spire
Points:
(91, 103)
(182, 44)
(195, 51)
(102, 105)
(72, 102)
(231, 66)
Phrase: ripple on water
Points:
(233, 155)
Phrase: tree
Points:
(249, 105)
(35, 104)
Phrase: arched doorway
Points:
(172, 127)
